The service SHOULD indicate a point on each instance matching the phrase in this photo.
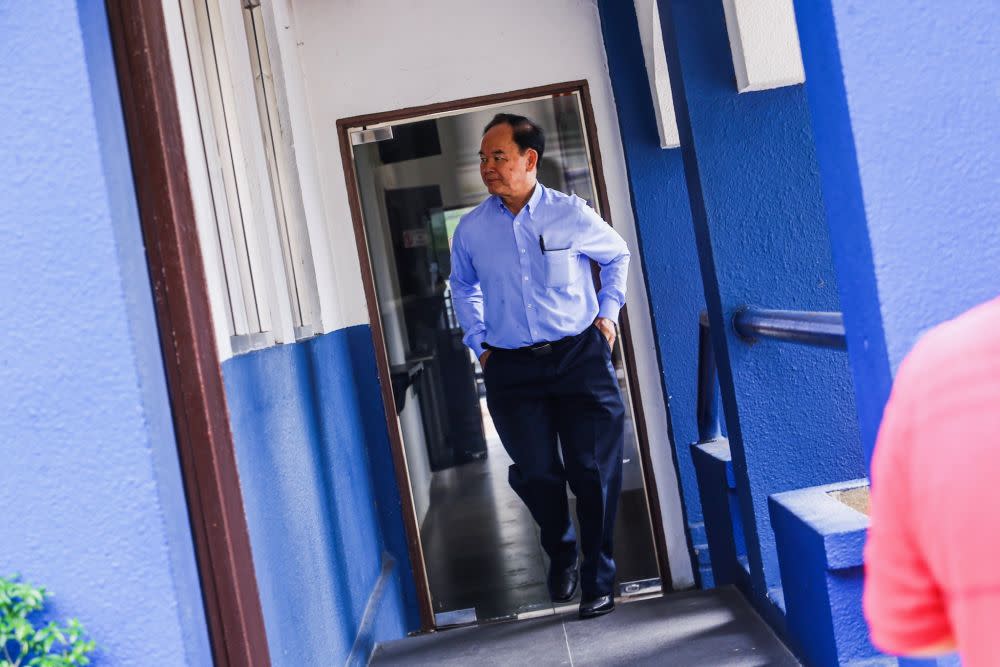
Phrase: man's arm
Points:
(467, 295)
(600, 242)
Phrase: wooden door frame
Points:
(378, 337)
(187, 338)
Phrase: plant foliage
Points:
(24, 645)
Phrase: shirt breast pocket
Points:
(560, 267)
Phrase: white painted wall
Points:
(377, 55)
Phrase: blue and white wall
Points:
(91, 503)
(321, 499)
(318, 483)
(322, 506)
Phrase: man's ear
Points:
(532, 159)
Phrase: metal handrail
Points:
(819, 329)
(709, 424)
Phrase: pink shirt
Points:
(932, 560)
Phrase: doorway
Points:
(411, 176)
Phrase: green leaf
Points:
(36, 647)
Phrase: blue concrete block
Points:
(713, 465)
(820, 546)
(820, 549)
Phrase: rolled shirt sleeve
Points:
(600, 242)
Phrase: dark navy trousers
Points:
(568, 397)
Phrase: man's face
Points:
(504, 168)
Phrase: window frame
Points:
(275, 123)
(258, 304)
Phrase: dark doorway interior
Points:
(438, 366)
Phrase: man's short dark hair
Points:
(526, 133)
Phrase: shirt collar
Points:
(536, 197)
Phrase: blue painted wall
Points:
(666, 245)
(761, 235)
(322, 506)
(91, 501)
(904, 104)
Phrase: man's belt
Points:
(538, 349)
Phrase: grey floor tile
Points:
(535, 643)
(696, 629)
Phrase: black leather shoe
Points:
(599, 606)
(562, 583)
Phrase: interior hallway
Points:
(695, 629)
(482, 548)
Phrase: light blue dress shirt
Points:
(509, 292)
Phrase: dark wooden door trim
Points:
(378, 337)
(191, 361)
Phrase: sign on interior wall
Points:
(416, 238)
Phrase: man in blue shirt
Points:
(524, 295)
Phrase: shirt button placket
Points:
(525, 278)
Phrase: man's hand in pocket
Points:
(607, 329)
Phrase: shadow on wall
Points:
(322, 506)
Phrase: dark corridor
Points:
(482, 547)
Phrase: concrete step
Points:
(694, 629)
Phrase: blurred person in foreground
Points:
(932, 583)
